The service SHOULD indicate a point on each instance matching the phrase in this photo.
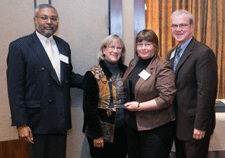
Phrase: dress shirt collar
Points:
(43, 38)
(183, 46)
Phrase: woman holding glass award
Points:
(103, 117)
(149, 114)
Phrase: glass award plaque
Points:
(123, 94)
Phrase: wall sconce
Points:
(35, 3)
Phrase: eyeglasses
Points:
(147, 45)
(174, 26)
(113, 48)
(45, 18)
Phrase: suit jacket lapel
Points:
(130, 68)
(171, 55)
(185, 56)
(42, 55)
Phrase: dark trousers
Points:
(117, 149)
(49, 146)
(193, 148)
(155, 143)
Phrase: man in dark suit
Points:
(195, 70)
(39, 77)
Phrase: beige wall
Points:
(83, 24)
(16, 20)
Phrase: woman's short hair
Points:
(182, 11)
(150, 36)
(106, 42)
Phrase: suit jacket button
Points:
(42, 69)
(50, 101)
(66, 81)
(49, 84)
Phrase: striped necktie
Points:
(177, 58)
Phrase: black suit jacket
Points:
(196, 82)
(37, 98)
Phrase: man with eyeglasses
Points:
(195, 70)
(39, 77)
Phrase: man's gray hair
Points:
(37, 9)
(181, 11)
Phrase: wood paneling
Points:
(15, 149)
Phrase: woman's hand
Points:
(143, 106)
(132, 106)
(98, 142)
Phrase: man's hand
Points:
(25, 133)
(98, 143)
(198, 134)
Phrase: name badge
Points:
(64, 58)
(172, 55)
(144, 75)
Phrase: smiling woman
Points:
(149, 113)
(104, 124)
(113, 52)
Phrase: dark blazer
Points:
(37, 98)
(159, 86)
(196, 82)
